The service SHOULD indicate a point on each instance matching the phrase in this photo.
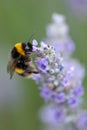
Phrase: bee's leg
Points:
(35, 72)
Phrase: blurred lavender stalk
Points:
(60, 79)
(78, 7)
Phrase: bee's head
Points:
(27, 47)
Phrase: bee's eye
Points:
(25, 48)
(29, 45)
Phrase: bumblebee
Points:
(21, 61)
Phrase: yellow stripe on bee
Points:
(19, 48)
(19, 71)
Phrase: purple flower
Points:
(69, 46)
(72, 68)
(79, 91)
(82, 121)
(73, 102)
(45, 92)
(37, 78)
(34, 48)
(59, 97)
(65, 81)
(34, 43)
(42, 64)
(58, 114)
(52, 115)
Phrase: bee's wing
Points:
(11, 67)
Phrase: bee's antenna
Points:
(31, 37)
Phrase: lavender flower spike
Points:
(58, 35)
(60, 81)
(58, 85)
